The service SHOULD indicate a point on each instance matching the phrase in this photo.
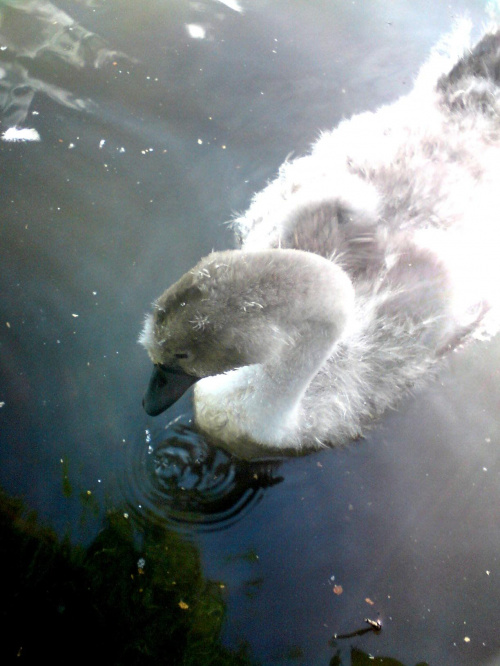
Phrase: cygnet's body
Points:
(361, 264)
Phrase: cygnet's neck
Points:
(261, 403)
(282, 382)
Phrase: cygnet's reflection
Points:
(177, 476)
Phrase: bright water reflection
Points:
(38, 41)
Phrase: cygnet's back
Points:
(403, 203)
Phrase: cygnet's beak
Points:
(166, 386)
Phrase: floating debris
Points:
(374, 624)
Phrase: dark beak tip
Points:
(166, 386)
(153, 407)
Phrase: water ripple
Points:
(175, 476)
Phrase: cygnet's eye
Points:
(174, 368)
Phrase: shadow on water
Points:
(174, 475)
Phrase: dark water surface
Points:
(157, 120)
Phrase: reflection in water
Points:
(130, 597)
(126, 603)
(39, 42)
(175, 475)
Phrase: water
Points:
(156, 122)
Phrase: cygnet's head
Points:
(235, 309)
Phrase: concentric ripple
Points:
(175, 476)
